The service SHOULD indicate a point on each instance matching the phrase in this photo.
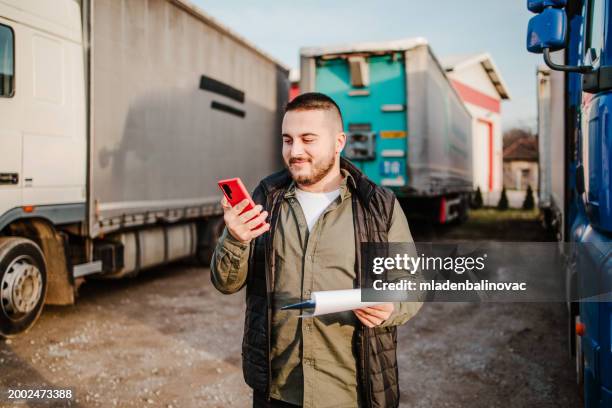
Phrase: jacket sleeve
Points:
(229, 264)
(400, 232)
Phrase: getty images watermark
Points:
(458, 265)
(479, 271)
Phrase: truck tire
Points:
(23, 285)
(572, 339)
(464, 209)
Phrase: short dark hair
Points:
(314, 101)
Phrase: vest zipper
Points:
(366, 366)
(364, 351)
(270, 284)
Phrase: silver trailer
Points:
(136, 109)
(551, 145)
(409, 118)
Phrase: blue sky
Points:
(451, 26)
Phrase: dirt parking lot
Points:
(168, 339)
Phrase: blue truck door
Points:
(374, 115)
(596, 148)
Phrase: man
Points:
(315, 214)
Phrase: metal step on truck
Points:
(407, 128)
(117, 117)
(575, 128)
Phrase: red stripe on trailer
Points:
(475, 97)
(490, 157)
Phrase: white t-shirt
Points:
(313, 204)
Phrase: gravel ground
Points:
(168, 339)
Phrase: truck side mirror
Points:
(547, 32)
(537, 6)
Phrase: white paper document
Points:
(333, 301)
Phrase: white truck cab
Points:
(42, 104)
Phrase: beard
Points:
(317, 172)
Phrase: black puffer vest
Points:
(375, 348)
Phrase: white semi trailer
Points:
(117, 117)
(551, 145)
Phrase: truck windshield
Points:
(7, 62)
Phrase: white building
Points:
(477, 79)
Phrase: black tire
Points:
(571, 331)
(547, 218)
(21, 260)
(464, 212)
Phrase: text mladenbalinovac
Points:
(447, 285)
(458, 265)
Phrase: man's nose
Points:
(297, 149)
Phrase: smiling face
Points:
(312, 142)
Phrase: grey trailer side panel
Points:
(176, 104)
(557, 147)
(544, 136)
(439, 129)
(307, 74)
(551, 143)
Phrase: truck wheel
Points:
(571, 332)
(23, 284)
(464, 211)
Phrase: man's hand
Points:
(239, 226)
(373, 316)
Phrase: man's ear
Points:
(340, 142)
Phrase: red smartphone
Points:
(235, 191)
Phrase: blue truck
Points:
(407, 127)
(575, 38)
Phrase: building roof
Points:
(455, 62)
(380, 46)
(522, 148)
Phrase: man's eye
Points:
(308, 140)
(288, 141)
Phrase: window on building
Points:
(7, 62)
